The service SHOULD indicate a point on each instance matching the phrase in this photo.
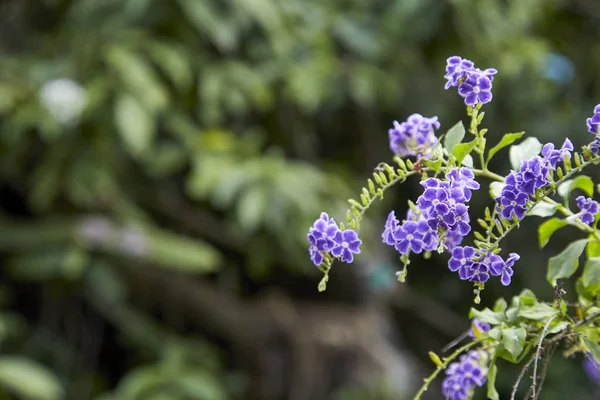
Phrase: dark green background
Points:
(215, 132)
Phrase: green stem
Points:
(443, 366)
(487, 174)
(391, 183)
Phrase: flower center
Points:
(513, 203)
(476, 89)
(409, 237)
(345, 245)
(463, 261)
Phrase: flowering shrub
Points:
(526, 330)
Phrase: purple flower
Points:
(506, 272)
(322, 232)
(463, 376)
(473, 84)
(457, 70)
(431, 197)
(480, 326)
(346, 243)
(589, 209)
(594, 122)
(464, 179)
(415, 137)
(494, 262)
(595, 145)
(431, 239)
(452, 239)
(462, 261)
(479, 272)
(512, 202)
(409, 237)
(555, 156)
(315, 255)
(592, 368)
(391, 226)
(476, 89)
(461, 217)
(532, 175)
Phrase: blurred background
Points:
(161, 162)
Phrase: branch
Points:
(537, 356)
(521, 375)
(568, 331)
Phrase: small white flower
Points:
(64, 98)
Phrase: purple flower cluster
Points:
(463, 376)
(588, 210)
(441, 215)
(532, 175)
(414, 137)
(474, 85)
(480, 326)
(326, 237)
(475, 267)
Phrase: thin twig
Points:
(521, 375)
(544, 368)
(548, 342)
(537, 356)
(455, 342)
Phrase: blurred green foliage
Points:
(212, 133)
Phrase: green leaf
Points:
(173, 61)
(492, 393)
(543, 209)
(496, 189)
(487, 315)
(200, 385)
(468, 161)
(463, 149)
(591, 274)
(515, 306)
(528, 148)
(454, 136)
(251, 208)
(538, 312)
(506, 140)
(513, 340)
(49, 263)
(582, 182)
(434, 165)
(594, 348)
(134, 123)
(29, 379)
(593, 248)
(546, 230)
(565, 264)
(138, 77)
(500, 305)
(558, 326)
(176, 252)
(527, 297)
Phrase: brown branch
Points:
(521, 375)
(537, 356)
